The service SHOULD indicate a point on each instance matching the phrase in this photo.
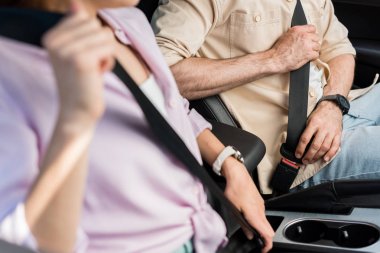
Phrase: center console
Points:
(356, 232)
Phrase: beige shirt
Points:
(221, 29)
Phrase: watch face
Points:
(343, 104)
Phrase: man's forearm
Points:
(201, 77)
(342, 74)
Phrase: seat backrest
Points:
(213, 109)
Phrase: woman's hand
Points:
(81, 50)
(240, 189)
(242, 192)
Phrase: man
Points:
(244, 51)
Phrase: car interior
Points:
(315, 219)
(341, 216)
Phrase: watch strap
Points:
(328, 98)
(226, 152)
(337, 99)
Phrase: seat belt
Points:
(288, 167)
(160, 127)
(173, 142)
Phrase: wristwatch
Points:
(339, 100)
(227, 152)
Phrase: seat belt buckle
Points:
(284, 175)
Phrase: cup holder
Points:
(306, 231)
(357, 236)
(333, 233)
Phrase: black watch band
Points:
(341, 101)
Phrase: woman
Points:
(81, 167)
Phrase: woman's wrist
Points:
(74, 125)
(233, 168)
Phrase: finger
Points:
(248, 233)
(78, 7)
(316, 46)
(314, 37)
(311, 56)
(268, 246)
(305, 28)
(69, 25)
(268, 239)
(72, 33)
(89, 40)
(77, 13)
(334, 148)
(57, 30)
(107, 64)
(315, 146)
(264, 229)
(93, 57)
(304, 140)
(325, 147)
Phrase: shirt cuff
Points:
(82, 242)
(15, 229)
(198, 123)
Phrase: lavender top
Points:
(139, 198)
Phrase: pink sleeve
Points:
(198, 123)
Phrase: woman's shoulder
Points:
(131, 21)
(25, 74)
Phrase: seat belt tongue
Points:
(286, 171)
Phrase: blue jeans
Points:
(186, 247)
(359, 157)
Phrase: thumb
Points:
(78, 7)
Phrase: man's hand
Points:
(242, 192)
(324, 128)
(296, 47)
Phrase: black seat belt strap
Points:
(287, 169)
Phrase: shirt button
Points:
(312, 93)
(289, 0)
(258, 18)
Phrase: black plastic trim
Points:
(359, 2)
